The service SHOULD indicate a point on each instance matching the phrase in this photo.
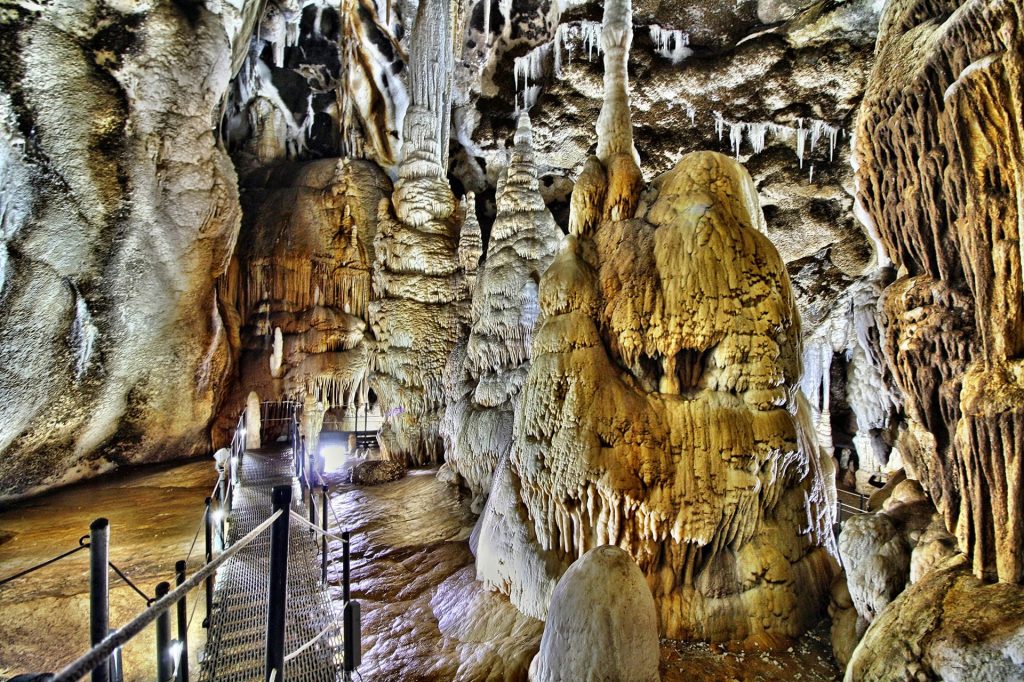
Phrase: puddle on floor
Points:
(154, 513)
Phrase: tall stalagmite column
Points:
(420, 313)
(661, 410)
(478, 426)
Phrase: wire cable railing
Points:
(103, 659)
(101, 652)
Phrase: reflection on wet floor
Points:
(154, 513)
(425, 617)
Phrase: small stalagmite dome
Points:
(602, 624)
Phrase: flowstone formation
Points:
(938, 171)
(939, 176)
(119, 212)
(488, 374)
(301, 281)
(661, 412)
(421, 311)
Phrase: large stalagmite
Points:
(492, 369)
(662, 413)
(421, 312)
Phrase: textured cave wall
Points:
(119, 211)
(939, 148)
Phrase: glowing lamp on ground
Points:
(334, 456)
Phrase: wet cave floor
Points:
(424, 615)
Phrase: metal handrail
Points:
(99, 654)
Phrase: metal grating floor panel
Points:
(236, 641)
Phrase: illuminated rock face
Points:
(302, 280)
(939, 175)
(492, 369)
(120, 211)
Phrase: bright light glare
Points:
(217, 516)
(334, 456)
(175, 651)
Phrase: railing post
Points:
(99, 591)
(282, 498)
(208, 522)
(164, 660)
(312, 508)
(351, 613)
(345, 567)
(179, 572)
(323, 517)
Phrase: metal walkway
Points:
(236, 640)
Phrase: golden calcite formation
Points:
(940, 176)
(304, 279)
(661, 415)
(421, 311)
(661, 412)
(478, 419)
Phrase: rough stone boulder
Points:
(948, 626)
(602, 624)
(375, 472)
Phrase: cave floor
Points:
(410, 547)
(154, 513)
(424, 615)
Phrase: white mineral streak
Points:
(699, 459)
(420, 312)
(83, 334)
(614, 124)
(478, 424)
(252, 421)
(673, 44)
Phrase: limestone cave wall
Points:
(120, 209)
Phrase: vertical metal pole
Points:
(345, 568)
(179, 572)
(282, 498)
(164, 661)
(208, 522)
(312, 508)
(323, 518)
(99, 591)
